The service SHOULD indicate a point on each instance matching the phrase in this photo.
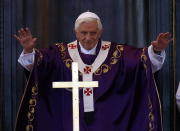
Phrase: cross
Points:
(72, 46)
(75, 84)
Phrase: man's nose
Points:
(88, 36)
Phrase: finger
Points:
(34, 40)
(168, 35)
(23, 32)
(154, 43)
(28, 31)
(159, 36)
(20, 34)
(17, 37)
(171, 40)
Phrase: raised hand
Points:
(162, 41)
(26, 39)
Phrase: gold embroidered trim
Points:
(29, 128)
(40, 57)
(104, 68)
(62, 49)
(32, 105)
(116, 54)
(151, 115)
(68, 63)
(144, 59)
(113, 60)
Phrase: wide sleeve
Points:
(157, 60)
(27, 60)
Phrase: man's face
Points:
(88, 34)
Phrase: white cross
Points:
(75, 84)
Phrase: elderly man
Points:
(126, 99)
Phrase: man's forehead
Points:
(88, 15)
(89, 24)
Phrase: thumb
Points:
(155, 46)
(154, 43)
(34, 40)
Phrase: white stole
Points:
(88, 70)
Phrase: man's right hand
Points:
(26, 39)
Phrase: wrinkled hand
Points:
(26, 39)
(162, 41)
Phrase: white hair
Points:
(78, 22)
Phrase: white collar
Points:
(85, 51)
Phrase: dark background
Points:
(136, 22)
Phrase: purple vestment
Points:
(126, 99)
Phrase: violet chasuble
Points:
(126, 99)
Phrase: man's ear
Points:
(101, 31)
(75, 32)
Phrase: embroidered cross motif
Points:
(106, 46)
(72, 46)
(88, 92)
(87, 69)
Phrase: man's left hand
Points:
(162, 41)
